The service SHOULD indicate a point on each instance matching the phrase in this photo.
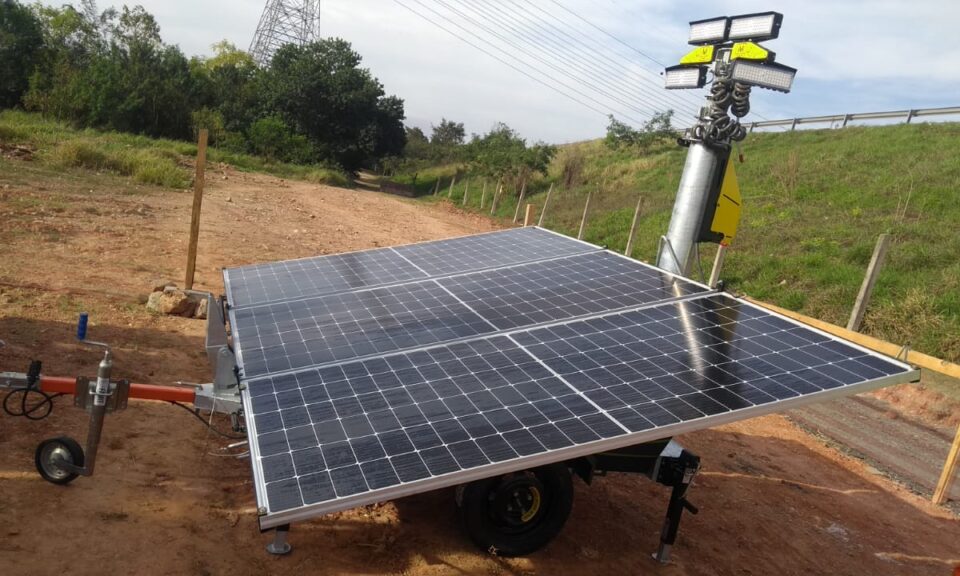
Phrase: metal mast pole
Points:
(709, 143)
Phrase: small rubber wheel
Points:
(517, 514)
(51, 452)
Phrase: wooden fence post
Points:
(866, 289)
(466, 190)
(452, 182)
(197, 203)
(546, 201)
(942, 492)
(496, 198)
(583, 221)
(436, 188)
(528, 216)
(523, 194)
(628, 251)
(483, 195)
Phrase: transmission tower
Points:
(285, 22)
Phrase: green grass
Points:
(814, 204)
(146, 160)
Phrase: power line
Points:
(512, 66)
(606, 83)
(563, 39)
(693, 100)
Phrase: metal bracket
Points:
(86, 391)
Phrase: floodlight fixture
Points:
(764, 75)
(759, 26)
(684, 77)
(712, 31)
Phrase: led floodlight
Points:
(709, 31)
(681, 77)
(760, 26)
(773, 76)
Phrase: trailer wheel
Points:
(519, 513)
(51, 452)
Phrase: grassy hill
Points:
(814, 203)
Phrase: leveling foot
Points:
(280, 546)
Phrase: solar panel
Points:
(564, 288)
(306, 277)
(292, 279)
(331, 438)
(492, 250)
(290, 335)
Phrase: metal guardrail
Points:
(844, 119)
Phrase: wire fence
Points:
(842, 120)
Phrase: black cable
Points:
(206, 423)
(28, 412)
(25, 410)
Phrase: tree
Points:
(320, 90)
(502, 152)
(657, 128)
(448, 133)
(21, 41)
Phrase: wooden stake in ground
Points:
(866, 289)
(496, 198)
(523, 194)
(466, 190)
(583, 221)
(528, 216)
(436, 188)
(483, 195)
(949, 472)
(628, 251)
(450, 191)
(546, 202)
(197, 203)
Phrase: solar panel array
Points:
(362, 396)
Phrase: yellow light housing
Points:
(751, 51)
(699, 55)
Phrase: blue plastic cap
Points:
(82, 326)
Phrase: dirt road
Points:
(902, 447)
(165, 500)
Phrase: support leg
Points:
(678, 474)
(280, 546)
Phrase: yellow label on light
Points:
(727, 217)
(699, 55)
(749, 51)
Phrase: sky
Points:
(573, 62)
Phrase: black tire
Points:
(519, 513)
(60, 447)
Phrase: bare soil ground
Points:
(773, 499)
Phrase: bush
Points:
(328, 177)
(272, 138)
(152, 166)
